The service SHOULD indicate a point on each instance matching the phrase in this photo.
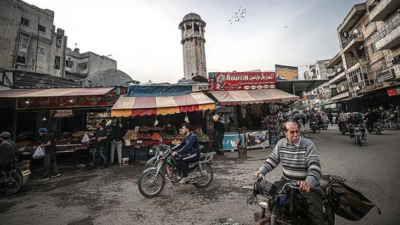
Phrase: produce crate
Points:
(128, 152)
(141, 154)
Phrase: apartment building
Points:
(369, 45)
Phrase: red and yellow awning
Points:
(140, 106)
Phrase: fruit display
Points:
(175, 142)
(141, 136)
(169, 137)
(78, 134)
(156, 136)
(148, 128)
(23, 144)
(130, 134)
(202, 137)
(180, 136)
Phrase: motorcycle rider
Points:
(356, 121)
(300, 163)
(7, 149)
(188, 151)
(343, 118)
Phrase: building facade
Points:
(192, 40)
(366, 61)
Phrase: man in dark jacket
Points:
(188, 151)
(7, 149)
(116, 141)
(100, 145)
(50, 155)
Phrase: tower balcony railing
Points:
(389, 35)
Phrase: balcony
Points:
(334, 61)
(383, 9)
(354, 61)
(389, 35)
(354, 41)
(355, 14)
(337, 78)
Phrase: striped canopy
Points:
(140, 106)
(252, 96)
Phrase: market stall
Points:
(66, 112)
(250, 98)
(154, 115)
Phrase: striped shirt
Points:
(300, 161)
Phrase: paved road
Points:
(110, 196)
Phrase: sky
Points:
(144, 38)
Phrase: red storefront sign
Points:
(393, 91)
(241, 81)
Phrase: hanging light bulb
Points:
(44, 118)
(27, 102)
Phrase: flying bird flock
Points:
(238, 15)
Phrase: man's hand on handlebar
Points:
(174, 153)
(304, 186)
(256, 174)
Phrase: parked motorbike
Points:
(152, 181)
(390, 123)
(376, 128)
(301, 128)
(285, 205)
(357, 133)
(13, 176)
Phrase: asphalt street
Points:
(111, 196)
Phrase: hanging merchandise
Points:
(187, 119)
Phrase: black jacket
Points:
(219, 127)
(189, 145)
(116, 133)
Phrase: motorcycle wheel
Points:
(206, 177)
(151, 163)
(392, 126)
(13, 187)
(151, 184)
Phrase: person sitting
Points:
(372, 117)
(187, 151)
(355, 121)
(7, 149)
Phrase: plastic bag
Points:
(39, 153)
(85, 138)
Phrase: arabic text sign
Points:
(241, 81)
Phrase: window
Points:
(83, 66)
(42, 51)
(373, 49)
(57, 61)
(21, 59)
(69, 63)
(23, 41)
(24, 21)
(42, 28)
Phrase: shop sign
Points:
(384, 76)
(230, 141)
(61, 113)
(257, 139)
(393, 91)
(241, 81)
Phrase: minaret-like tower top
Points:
(192, 40)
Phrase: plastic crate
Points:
(141, 154)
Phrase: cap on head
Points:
(5, 134)
(43, 130)
(215, 117)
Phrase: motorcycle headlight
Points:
(262, 201)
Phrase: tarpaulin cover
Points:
(53, 92)
(252, 96)
(155, 91)
(140, 106)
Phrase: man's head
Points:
(100, 126)
(43, 131)
(292, 133)
(5, 135)
(186, 128)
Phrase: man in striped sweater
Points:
(300, 163)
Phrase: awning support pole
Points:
(294, 89)
(14, 126)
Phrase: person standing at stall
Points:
(50, 155)
(116, 141)
(219, 131)
(100, 145)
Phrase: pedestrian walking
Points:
(100, 145)
(330, 117)
(219, 132)
(116, 141)
(50, 162)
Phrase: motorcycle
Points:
(286, 205)
(357, 133)
(13, 176)
(314, 127)
(152, 181)
(376, 128)
(390, 123)
(343, 128)
(325, 125)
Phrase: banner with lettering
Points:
(61, 113)
(231, 81)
